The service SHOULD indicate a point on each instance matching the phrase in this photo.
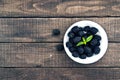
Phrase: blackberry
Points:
(94, 42)
(76, 39)
(93, 30)
(89, 54)
(97, 37)
(83, 56)
(75, 54)
(87, 50)
(92, 47)
(81, 33)
(86, 28)
(71, 35)
(69, 45)
(55, 32)
(80, 29)
(98, 44)
(75, 29)
(72, 49)
(60, 47)
(85, 36)
(89, 33)
(96, 50)
(71, 40)
(80, 50)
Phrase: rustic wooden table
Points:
(27, 49)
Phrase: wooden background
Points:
(27, 49)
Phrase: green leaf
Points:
(88, 39)
(80, 43)
(84, 41)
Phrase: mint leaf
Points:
(84, 41)
(80, 43)
(88, 39)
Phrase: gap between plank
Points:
(63, 17)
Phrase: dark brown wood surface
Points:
(40, 29)
(59, 8)
(45, 55)
(28, 49)
(60, 74)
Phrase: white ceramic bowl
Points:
(103, 45)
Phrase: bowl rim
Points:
(100, 55)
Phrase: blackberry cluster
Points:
(56, 32)
(88, 50)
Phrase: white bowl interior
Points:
(103, 45)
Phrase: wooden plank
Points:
(54, 8)
(45, 55)
(59, 73)
(40, 29)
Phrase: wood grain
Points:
(27, 47)
(59, 8)
(40, 29)
(59, 73)
(45, 55)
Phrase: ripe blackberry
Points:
(69, 45)
(92, 47)
(80, 50)
(71, 40)
(75, 54)
(71, 35)
(94, 42)
(55, 32)
(81, 33)
(94, 30)
(97, 37)
(98, 44)
(87, 50)
(76, 39)
(96, 50)
(86, 28)
(72, 49)
(89, 33)
(80, 29)
(89, 54)
(85, 36)
(83, 56)
(75, 29)
(59, 47)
